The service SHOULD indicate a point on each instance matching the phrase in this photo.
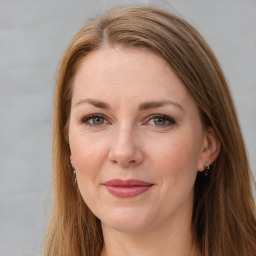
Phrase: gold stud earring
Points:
(74, 171)
(207, 168)
(75, 176)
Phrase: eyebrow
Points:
(142, 106)
(158, 104)
(96, 103)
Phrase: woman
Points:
(148, 156)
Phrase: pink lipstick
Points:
(127, 188)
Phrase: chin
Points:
(126, 227)
(126, 222)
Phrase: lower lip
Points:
(125, 192)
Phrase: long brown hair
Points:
(224, 220)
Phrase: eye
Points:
(161, 120)
(94, 120)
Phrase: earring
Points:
(207, 168)
(74, 171)
(75, 176)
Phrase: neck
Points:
(172, 240)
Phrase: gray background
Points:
(33, 35)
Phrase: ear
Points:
(210, 149)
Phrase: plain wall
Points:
(33, 36)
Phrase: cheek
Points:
(87, 154)
(175, 160)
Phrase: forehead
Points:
(127, 74)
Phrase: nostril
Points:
(114, 161)
(124, 153)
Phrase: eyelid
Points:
(170, 120)
(85, 119)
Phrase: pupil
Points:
(98, 120)
(159, 121)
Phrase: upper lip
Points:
(126, 183)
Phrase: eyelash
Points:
(86, 119)
(170, 120)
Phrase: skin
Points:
(128, 141)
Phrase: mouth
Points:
(127, 188)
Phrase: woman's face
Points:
(136, 140)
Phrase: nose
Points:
(125, 149)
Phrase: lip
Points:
(127, 188)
